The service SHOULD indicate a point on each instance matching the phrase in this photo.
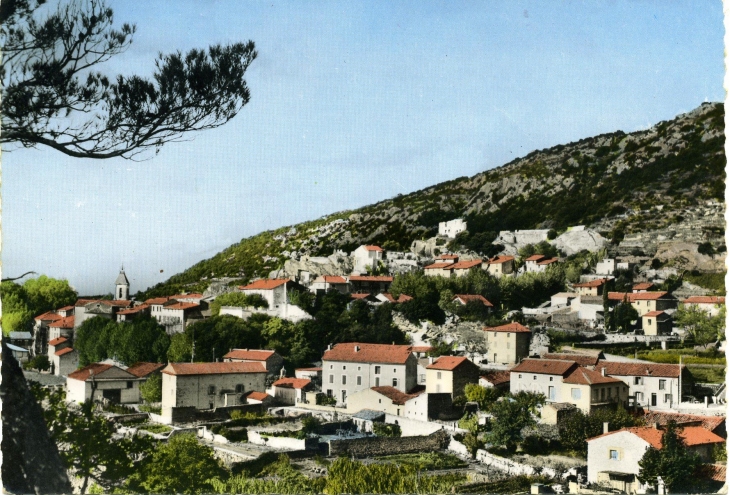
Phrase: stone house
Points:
(587, 360)
(495, 379)
(644, 302)
(656, 323)
(41, 331)
(209, 385)
(715, 424)
(21, 339)
(133, 312)
(365, 418)
(450, 374)
(447, 258)
(271, 360)
(650, 384)
(353, 366)
(499, 266)
(566, 381)
(452, 228)
(591, 288)
(464, 299)
(613, 458)
(62, 327)
(90, 308)
(538, 263)
(711, 304)
(326, 283)
(507, 344)
(462, 268)
(144, 370)
(64, 359)
(366, 258)
(438, 269)
(99, 382)
(290, 391)
(176, 315)
(370, 284)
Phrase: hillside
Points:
(622, 185)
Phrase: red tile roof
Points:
(141, 370)
(401, 298)
(266, 284)
(65, 322)
(584, 376)
(592, 283)
(637, 296)
(292, 382)
(509, 327)
(710, 423)
(370, 278)
(398, 397)
(179, 369)
(421, 348)
(581, 359)
(448, 257)
(308, 369)
(48, 316)
(157, 300)
(500, 259)
(181, 305)
(249, 354)
(84, 302)
(653, 314)
(65, 308)
(535, 257)
(364, 295)
(192, 295)
(643, 286)
(134, 310)
(545, 366)
(715, 472)
(497, 377)
(368, 353)
(705, 300)
(614, 368)
(691, 435)
(548, 261)
(260, 396)
(333, 279)
(64, 351)
(465, 298)
(464, 265)
(57, 341)
(438, 266)
(86, 372)
(448, 363)
(373, 248)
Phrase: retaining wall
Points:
(282, 443)
(376, 446)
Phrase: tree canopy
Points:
(699, 324)
(673, 462)
(142, 339)
(54, 94)
(511, 414)
(36, 296)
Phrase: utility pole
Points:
(680, 381)
(192, 354)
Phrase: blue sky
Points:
(352, 102)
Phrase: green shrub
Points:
(40, 363)
(386, 430)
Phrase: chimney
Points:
(605, 427)
(329, 347)
(603, 371)
(655, 425)
(430, 360)
(357, 348)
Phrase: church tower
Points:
(121, 292)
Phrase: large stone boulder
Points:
(574, 241)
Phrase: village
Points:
(589, 405)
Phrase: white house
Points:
(290, 391)
(271, 360)
(353, 366)
(500, 266)
(538, 263)
(606, 266)
(613, 458)
(64, 359)
(276, 294)
(325, 283)
(62, 327)
(390, 400)
(452, 228)
(209, 385)
(99, 381)
(650, 384)
(711, 304)
(366, 258)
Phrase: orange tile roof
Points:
(143, 369)
(401, 299)
(592, 283)
(614, 368)
(292, 382)
(57, 341)
(473, 297)
(181, 305)
(545, 366)
(180, 369)
(134, 310)
(333, 279)
(249, 354)
(48, 316)
(535, 257)
(715, 472)
(64, 351)
(643, 286)
(371, 278)
(464, 265)
(84, 302)
(192, 295)
(398, 397)
(86, 372)
(421, 348)
(705, 300)
(653, 314)
(637, 296)
(65, 322)
(65, 308)
(581, 359)
(308, 369)
(500, 259)
(584, 376)
(368, 353)
(265, 284)
(548, 261)
(373, 248)
(448, 257)
(157, 300)
(509, 327)
(260, 396)
(364, 295)
(497, 377)
(448, 363)
(691, 435)
(708, 422)
(438, 266)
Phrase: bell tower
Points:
(121, 291)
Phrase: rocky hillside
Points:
(639, 190)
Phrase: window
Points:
(359, 368)
(359, 380)
(422, 379)
(637, 380)
(508, 344)
(603, 393)
(648, 320)
(438, 375)
(551, 378)
(613, 455)
(377, 381)
(332, 378)
(639, 396)
(667, 398)
(395, 382)
(519, 376)
(211, 389)
(239, 388)
(329, 392)
(662, 384)
(395, 370)
(551, 392)
(129, 385)
(534, 377)
(609, 392)
(332, 366)
(575, 393)
(344, 367)
(495, 334)
(344, 379)
(344, 395)
(377, 370)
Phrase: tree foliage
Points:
(36, 296)
(578, 427)
(486, 397)
(151, 389)
(673, 462)
(511, 414)
(54, 94)
(238, 299)
(700, 325)
(142, 339)
(624, 317)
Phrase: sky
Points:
(351, 103)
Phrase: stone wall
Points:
(190, 414)
(375, 446)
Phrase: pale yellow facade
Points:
(507, 347)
